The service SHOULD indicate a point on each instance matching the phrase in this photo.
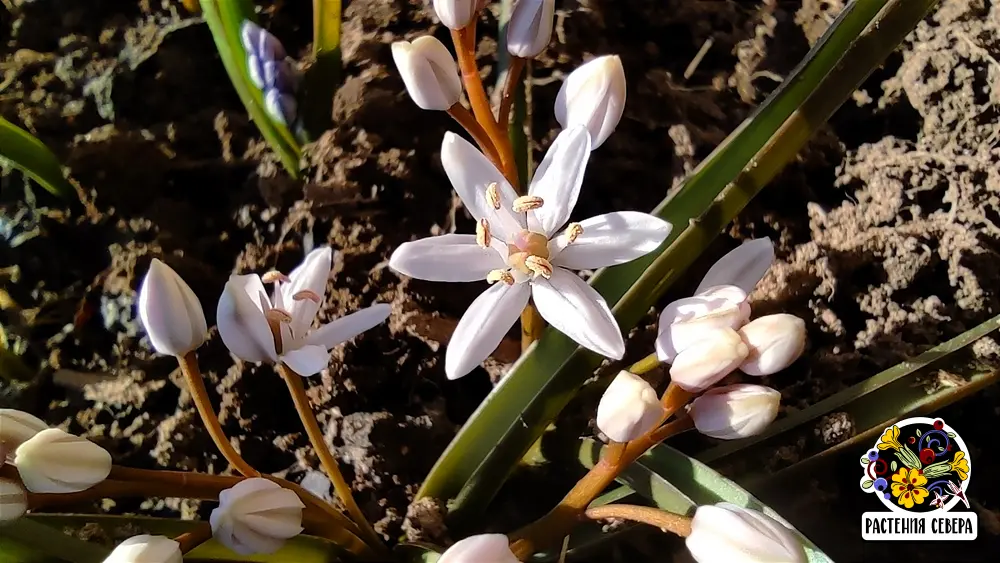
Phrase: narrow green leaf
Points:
(414, 552)
(31, 540)
(323, 77)
(31, 156)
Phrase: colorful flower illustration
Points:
(890, 439)
(908, 485)
(960, 466)
(939, 500)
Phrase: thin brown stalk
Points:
(509, 90)
(666, 521)
(465, 118)
(192, 539)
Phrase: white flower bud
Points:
(13, 501)
(704, 363)
(685, 321)
(726, 532)
(256, 516)
(456, 14)
(146, 549)
(170, 312)
(735, 411)
(629, 408)
(530, 28)
(429, 72)
(484, 548)
(53, 461)
(593, 95)
(743, 266)
(16, 428)
(775, 341)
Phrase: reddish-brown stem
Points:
(666, 521)
(509, 91)
(464, 118)
(199, 535)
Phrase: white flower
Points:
(629, 408)
(456, 14)
(17, 427)
(704, 363)
(726, 532)
(258, 328)
(170, 312)
(429, 72)
(530, 27)
(743, 266)
(593, 96)
(146, 549)
(13, 501)
(256, 516)
(735, 411)
(775, 342)
(686, 321)
(484, 548)
(53, 461)
(518, 244)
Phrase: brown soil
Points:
(887, 225)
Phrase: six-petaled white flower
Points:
(518, 247)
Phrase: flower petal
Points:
(471, 174)
(349, 326)
(609, 239)
(579, 312)
(311, 275)
(242, 324)
(447, 258)
(307, 360)
(557, 180)
(483, 326)
(743, 267)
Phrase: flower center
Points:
(527, 244)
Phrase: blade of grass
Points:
(224, 19)
(31, 156)
(30, 540)
(323, 77)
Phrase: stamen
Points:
(483, 237)
(307, 294)
(527, 202)
(274, 276)
(573, 231)
(493, 195)
(278, 315)
(538, 266)
(500, 276)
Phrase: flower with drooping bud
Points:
(259, 328)
(17, 427)
(170, 312)
(483, 548)
(271, 71)
(456, 14)
(13, 500)
(726, 532)
(520, 249)
(54, 461)
(685, 321)
(429, 72)
(743, 266)
(735, 411)
(775, 341)
(704, 363)
(629, 408)
(530, 27)
(146, 549)
(593, 96)
(256, 516)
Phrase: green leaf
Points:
(543, 381)
(867, 484)
(29, 540)
(31, 156)
(323, 77)
(893, 466)
(919, 433)
(225, 20)
(414, 552)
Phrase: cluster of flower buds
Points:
(726, 532)
(146, 549)
(271, 70)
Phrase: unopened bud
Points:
(170, 312)
(775, 341)
(281, 107)
(726, 532)
(492, 548)
(146, 549)
(704, 363)
(16, 428)
(53, 461)
(429, 72)
(629, 408)
(735, 411)
(685, 321)
(456, 14)
(530, 27)
(261, 43)
(593, 96)
(743, 266)
(256, 516)
(13, 501)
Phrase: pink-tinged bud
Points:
(483, 548)
(735, 411)
(731, 534)
(743, 267)
(146, 549)
(704, 363)
(685, 321)
(775, 342)
(629, 408)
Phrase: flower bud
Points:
(170, 312)
(491, 548)
(593, 95)
(530, 27)
(429, 72)
(13, 501)
(256, 516)
(735, 411)
(629, 408)
(726, 532)
(261, 43)
(53, 461)
(281, 107)
(704, 363)
(456, 14)
(775, 341)
(685, 321)
(743, 266)
(17, 427)
(146, 549)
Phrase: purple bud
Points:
(256, 71)
(280, 75)
(258, 41)
(281, 107)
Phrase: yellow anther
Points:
(274, 276)
(500, 276)
(307, 294)
(573, 231)
(483, 237)
(493, 195)
(527, 202)
(278, 315)
(538, 266)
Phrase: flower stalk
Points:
(192, 539)
(666, 521)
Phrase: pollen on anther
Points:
(483, 237)
(573, 231)
(274, 276)
(307, 294)
(493, 195)
(500, 276)
(527, 202)
(279, 315)
(539, 266)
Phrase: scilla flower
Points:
(726, 532)
(518, 248)
(256, 516)
(146, 549)
(483, 548)
(259, 328)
